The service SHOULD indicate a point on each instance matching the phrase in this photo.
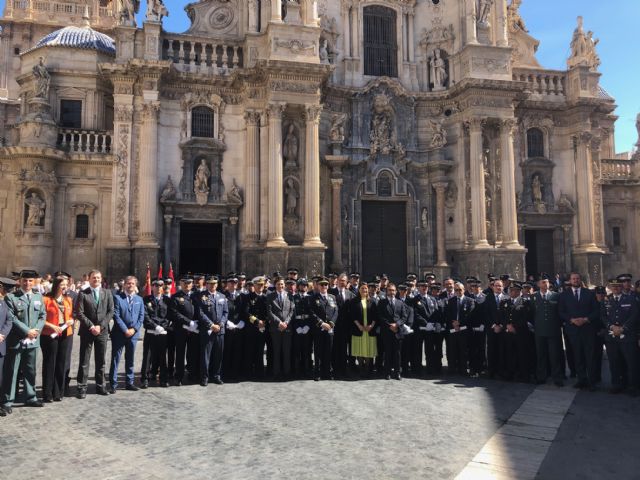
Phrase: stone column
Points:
(336, 224)
(478, 208)
(148, 183)
(233, 237)
(274, 227)
(253, 16)
(441, 250)
(276, 10)
(252, 189)
(502, 35)
(410, 40)
(312, 178)
(472, 33)
(508, 186)
(168, 219)
(584, 203)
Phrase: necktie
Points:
(577, 294)
(96, 296)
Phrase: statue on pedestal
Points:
(290, 150)
(35, 210)
(234, 195)
(381, 133)
(484, 9)
(438, 70)
(292, 195)
(43, 79)
(156, 10)
(128, 10)
(201, 183)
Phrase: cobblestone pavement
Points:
(372, 429)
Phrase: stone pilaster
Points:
(471, 17)
(168, 221)
(508, 186)
(502, 35)
(252, 187)
(276, 10)
(148, 184)
(275, 238)
(336, 162)
(476, 165)
(312, 178)
(584, 203)
(441, 250)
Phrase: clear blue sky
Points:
(614, 22)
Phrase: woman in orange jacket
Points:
(56, 339)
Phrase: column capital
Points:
(123, 112)
(312, 113)
(275, 110)
(336, 182)
(474, 124)
(168, 218)
(233, 220)
(582, 138)
(508, 125)
(150, 111)
(252, 117)
(596, 144)
(440, 186)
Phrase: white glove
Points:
(164, 332)
(240, 325)
(159, 330)
(431, 327)
(299, 330)
(231, 325)
(305, 329)
(192, 326)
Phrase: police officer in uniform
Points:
(324, 315)
(477, 335)
(302, 327)
(183, 321)
(234, 336)
(425, 309)
(157, 325)
(255, 317)
(517, 318)
(458, 314)
(212, 310)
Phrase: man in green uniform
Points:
(26, 308)
(548, 334)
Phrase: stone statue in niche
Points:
(324, 52)
(424, 218)
(536, 189)
(234, 195)
(564, 203)
(438, 70)
(439, 138)
(336, 132)
(290, 150)
(169, 191)
(43, 79)
(484, 9)
(381, 133)
(291, 195)
(128, 10)
(36, 208)
(201, 183)
(156, 10)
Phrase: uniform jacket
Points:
(545, 315)
(6, 322)
(356, 314)
(182, 311)
(569, 308)
(91, 315)
(491, 310)
(127, 315)
(234, 305)
(53, 314)
(408, 302)
(211, 308)
(517, 312)
(388, 314)
(280, 313)
(622, 313)
(26, 314)
(461, 309)
(156, 313)
(254, 308)
(323, 310)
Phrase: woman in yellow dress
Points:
(363, 342)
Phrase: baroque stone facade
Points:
(386, 135)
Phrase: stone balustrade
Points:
(85, 141)
(46, 12)
(542, 82)
(202, 55)
(617, 169)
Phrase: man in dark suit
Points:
(254, 314)
(392, 314)
(458, 312)
(157, 325)
(425, 315)
(212, 312)
(6, 322)
(94, 310)
(280, 310)
(548, 333)
(342, 336)
(324, 315)
(578, 309)
(495, 328)
(621, 323)
(128, 317)
(26, 309)
(183, 320)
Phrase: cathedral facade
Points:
(368, 135)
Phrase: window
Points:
(535, 143)
(82, 226)
(202, 122)
(71, 113)
(380, 42)
(616, 236)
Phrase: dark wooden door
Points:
(539, 244)
(384, 239)
(200, 248)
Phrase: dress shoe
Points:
(131, 387)
(218, 381)
(101, 391)
(57, 399)
(7, 410)
(111, 390)
(144, 384)
(2, 412)
(81, 394)
(559, 383)
(398, 376)
(35, 403)
(316, 379)
(580, 385)
(178, 383)
(48, 400)
(204, 383)
(164, 384)
(387, 377)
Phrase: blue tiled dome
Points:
(79, 37)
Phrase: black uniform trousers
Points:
(87, 343)
(55, 352)
(623, 363)
(281, 342)
(549, 357)
(583, 340)
(567, 352)
(597, 358)
(233, 349)
(495, 353)
(418, 349)
(392, 352)
(187, 346)
(171, 353)
(302, 346)
(340, 349)
(477, 347)
(457, 351)
(322, 347)
(407, 360)
(433, 347)
(254, 342)
(212, 352)
(154, 357)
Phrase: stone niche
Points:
(194, 151)
(537, 186)
(216, 18)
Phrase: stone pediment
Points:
(391, 85)
(215, 18)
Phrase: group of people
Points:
(216, 328)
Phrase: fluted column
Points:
(336, 222)
(441, 250)
(478, 208)
(410, 41)
(252, 189)
(508, 186)
(274, 227)
(584, 172)
(312, 178)
(502, 33)
(148, 184)
(472, 33)
(276, 10)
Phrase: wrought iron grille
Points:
(202, 122)
(82, 226)
(535, 143)
(380, 42)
